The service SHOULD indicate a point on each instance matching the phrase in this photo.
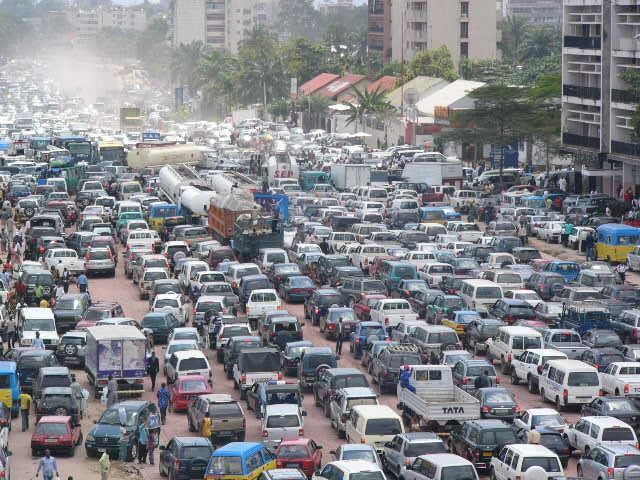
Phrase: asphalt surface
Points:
(317, 427)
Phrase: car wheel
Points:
(492, 474)
(542, 397)
(559, 405)
(133, 453)
(530, 386)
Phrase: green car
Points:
(125, 217)
(443, 306)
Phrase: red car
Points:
(363, 307)
(186, 388)
(56, 433)
(302, 453)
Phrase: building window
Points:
(464, 50)
(464, 30)
(464, 9)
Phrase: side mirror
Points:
(303, 413)
(332, 452)
(409, 466)
(162, 447)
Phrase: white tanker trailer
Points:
(185, 188)
(141, 158)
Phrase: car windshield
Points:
(225, 466)
(383, 426)
(373, 286)
(618, 434)
(263, 297)
(357, 454)
(179, 347)
(196, 452)
(620, 405)
(38, 324)
(327, 300)
(194, 363)
(280, 269)
(477, 370)
(500, 396)
(167, 302)
(68, 304)
(150, 276)
(225, 410)
(626, 460)
(397, 360)
(208, 306)
(488, 292)
(292, 451)
(553, 441)
(367, 476)
(565, 337)
(415, 449)
(351, 381)
(112, 417)
(458, 472)
(525, 343)
(551, 419)
(522, 311)
(497, 437)
(52, 429)
(283, 421)
(301, 282)
(608, 358)
(154, 321)
(218, 288)
(548, 464)
(365, 331)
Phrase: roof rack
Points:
(403, 347)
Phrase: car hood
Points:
(103, 430)
(67, 313)
(44, 334)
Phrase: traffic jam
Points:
(248, 300)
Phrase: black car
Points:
(329, 324)
(409, 239)
(290, 356)
(331, 380)
(598, 338)
(545, 284)
(161, 325)
(29, 364)
(338, 274)
(106, 433)
(385, 368)
(618, 298)
(317, 305)
(327, 265)
(553, 439)
(477, 332)
(407, 288)
(43, 278)
(164, 286)
(310, 359)
(464, 266)
(622, 408)
(232, 349)
(280, 271)
(481, 440)
(525, 254)
(69, 310)
(58, 401)
(509, 310)
(602, 357)
(184, 458)
(353, 288)
(497, 402)
(479, 252)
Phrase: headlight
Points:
(26, 341)
(91, 438)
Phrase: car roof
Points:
(606, 421)
(445, 459)
(282, 408)
(532, 449)
(355, 466)
(358, 392)
(182, 354)
(57, 391)
(55, 419)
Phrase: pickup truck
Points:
(256, 365)
(60, 258)
(430, 399)
(390, 312)
(364, 255)
(342, 401)
(621, 378)
(466, 232)
(566, 341)
(627, 325)
(146, 238)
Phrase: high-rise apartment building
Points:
(87, 23)
(601, 40)
(468, 28)
(243, 16)
(187, 22)
(537, 12)
(379, 28)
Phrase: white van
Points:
(440, 466)
(514, 460)
(128, 189)
(58, 184)
(187, 362)
(127, 206)
(36, 319)
(374, 425)
(591, 432)
(479, 295)
(267, 257)
(569, 382)
(282, 422)
(510, 342)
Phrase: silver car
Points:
(619, 462)
(282, 422)
(99, 261)
(357, 451)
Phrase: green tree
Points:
(279, 109)
(184, 64)
(298, 18)
(304, 59)
(152, 49)
(501, 116)
(544, 125)
(514, 31)
(632, 78)
(433, 63)
(540, 42)
(312, 107)
(366, 103)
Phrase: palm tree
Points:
(184, 63)
(514, 30)
(366, 102)
(540, 42)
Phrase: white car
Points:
(261, 301)
(349, 470)
(533, 418)
(186, 333)
(58, 259)
(551, 231)
(529, 296)
(172, 302)
(590, 432)
(177, 346)
(621, 378)
(579, 234)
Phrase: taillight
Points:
(486, 409)
(317, 311)
(597, 365)
(611, 472)
(176, 462)
(301, 432)
(565, 394)
(265, 434)
(465, 380)
(635, 332)
(509, 357)
(627, 388)
(280, 377)
(88, 256)
(517, 409)
(386, 321)
(243, 378)
(362, 440)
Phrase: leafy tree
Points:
(540, 42)
(304, 59)
(279, 109)
(366, 103)
(298, 18)
(433, 63)
(514, 30)
(184, 63)
(152, 49)
(544, 125)
(632, 77)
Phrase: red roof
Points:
(338, 86)
(383, 84)
(316, 83)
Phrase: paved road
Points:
(316, 426)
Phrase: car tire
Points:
(542, 397)
(530, 386)
(134, 451)
(559, 405)
(34, 452)
(492, 475)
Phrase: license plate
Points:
(51, 440)
(102, 450)
(487, 454)
(225, 434)
(293, 465)
(262, 380)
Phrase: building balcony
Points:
(580, 140)
(377, 11)
(592, 93)
(624, 96)
(376, 48)
(376, 29)
(623, 148)
(591, 43)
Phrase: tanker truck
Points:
(158, 156)
(184, 187)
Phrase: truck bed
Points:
(441, 405)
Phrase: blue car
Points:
(364, 332)
(568, 270)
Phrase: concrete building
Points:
(331, 6)
(187, 22)
(600, 42)
(87, 23)
(466, 27)
(216, 24)
(242, 16)
(537, 12)
(379, 28)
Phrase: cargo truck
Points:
(431, 401)
(117, 351)
(344, 176)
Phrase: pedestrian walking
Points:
(59, 291)
(83, 283)
(37, 342)
(112, 391)
(163, 401)
(522, 233)
(76, 391)
(589, 244)
(105, 466)
(153, 428)
(154, 368)
(38, 293)
(48, 465)
(25, 407)
(143, 439)
(339, 337)
(11, 332)
(621, 270)
(66, 280)
(483, 380)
